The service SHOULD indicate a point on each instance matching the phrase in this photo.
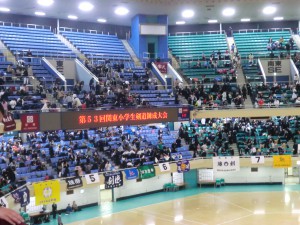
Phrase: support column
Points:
(57, 26)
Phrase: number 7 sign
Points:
(258, 159)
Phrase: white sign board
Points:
(92, 178)
(177, 178)
(226, 164)
(205, 174)
(258, 159)
(164, 167)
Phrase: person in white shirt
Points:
(76, 102)
(250, 58)
(294, 96)
(276, 103)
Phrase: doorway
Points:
(151, 50)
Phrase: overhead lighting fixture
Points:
(101, 20)
(121, 11)
(3, 9)
(269, 10)
(85, 6)
(278, 18)
(188, 13)
(245, 20)
(45, 2)
(212, 21)
(180, 22)
(40, 13)
(228, 12)
(72, 17)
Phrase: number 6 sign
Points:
(164, 167)
(92, 178)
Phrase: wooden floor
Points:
(245, 208)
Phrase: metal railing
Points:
(262, 30)
(197, 33)
(34, 26)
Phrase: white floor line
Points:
(229, 221)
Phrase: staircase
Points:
(240, 82)
(175, 64)
(230, 41)
(131, 52)
(9, 56)
(71, 46)
(296, 38)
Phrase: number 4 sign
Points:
(164, 167)
(92, 178)
(258, 159)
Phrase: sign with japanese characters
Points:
(104, 118)
(21, 196)
(162, 66)
(147, 171)
(282, 161)
(113, 179)
(74, 182)
(258, 159)
(30, 122)
(183, 166)
(46, 192)
(276, 67)
(226, 164)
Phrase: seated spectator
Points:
(74, 207)
(76, 102)
(68, 209)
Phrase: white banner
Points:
(92, 178)
(205, 174)
(177, 178)
(164, 167)
(258, 159)
(3, 202)
(226, 164)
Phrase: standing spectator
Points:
(59, 220)
(54, 210)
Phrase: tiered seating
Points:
(9, 79)
(192, 46)
(256, 42)
(98, 46)
(42, 74)
(41, 42)
(253, 74)
(156, 97)
(183, 151)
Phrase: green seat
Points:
(218, 182)
(222, 181)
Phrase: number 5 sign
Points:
(164, 167)
(92, 178)
(258, 159)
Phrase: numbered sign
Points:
(3, 202)
(92, 178)
(164, 167)
(258, 159)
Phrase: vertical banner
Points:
(92, 178)
(113, 179)
(164, 167)
(21, 196)
(177, 178)
(282, 161)
(226, 164)
(30, 122)
(162, 66)
(46, 192)
(9, 122)
(131, 173)
(183, 166)
(146, 172)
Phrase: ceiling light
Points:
(121, 11)
(101, 20)
(45, 2)
(180, 22)
(40, 13)
(2, 9)
(85, 6)
(269, 10)
(228, 12)
(188, 13)
(212, 21)
(278, 18)
(245, 20)
(72, 17)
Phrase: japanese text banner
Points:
(282, 161)
(226, 164)
(47, 192)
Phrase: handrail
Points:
(45, 61)
(261, 30)
(159, 75)
(172, 71)
(33, 26)
(85, 31)
(294, 69)
(88, 71)
(262, 70)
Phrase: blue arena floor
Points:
(131, 203)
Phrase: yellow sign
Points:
(282, 161)
(46, 192)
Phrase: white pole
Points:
(57, 26)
